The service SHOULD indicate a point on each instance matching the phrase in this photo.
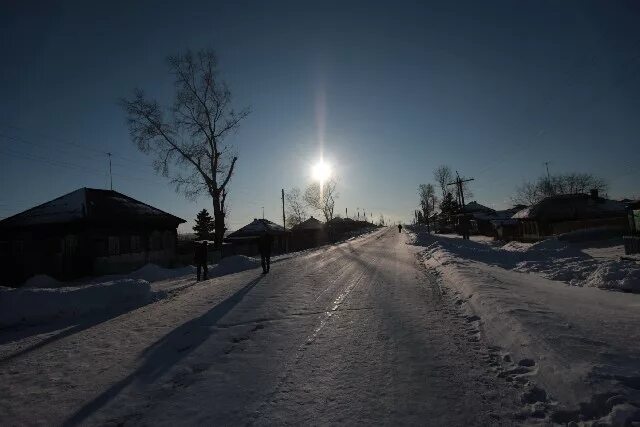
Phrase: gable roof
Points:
(477, 207)
(310, 224)
(571, 207)
(92, 205)
(255, 228)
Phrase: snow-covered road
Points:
(352, 333)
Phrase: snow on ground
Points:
(33, 305)
(592, 264)
(580, 345)
(45, 299)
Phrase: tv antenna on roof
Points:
(110, 174)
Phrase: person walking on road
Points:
(399, 228)
(264, 246)
(200, 259)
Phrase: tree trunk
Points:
(218, 216)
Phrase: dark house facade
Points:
(308, 234)
(86, 232)
(244, 241)
(570, 212)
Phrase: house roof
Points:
(477, 207)
(572, 206)
(89, 204)
(255, 228)
(310, 224)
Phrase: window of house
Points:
(100, 246)
(167, 240)
(125, 244)
(114, 245)
(155, 241)
(17, 247)
(136, 244)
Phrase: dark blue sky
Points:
(493, 89)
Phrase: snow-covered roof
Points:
(310, 224)
(255, 228)
(572, 206)
(89, 204)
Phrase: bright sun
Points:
(321, 171)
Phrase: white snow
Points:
(41, 281)
(579, 344)
(28, 305)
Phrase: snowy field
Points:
(545, 306)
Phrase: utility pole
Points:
(110, 174)
(459, 183)
(547, 166)
(263, 212)
(284, 224)
(346, 212)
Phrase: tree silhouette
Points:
(188, 140)
(204, 225)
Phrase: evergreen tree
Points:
(204, 225)
(449, 207)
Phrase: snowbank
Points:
(233, 264)
(154, 273)
(41, 281)
(577, 349)
(551, 258)
(29, 305)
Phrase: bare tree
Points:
(571, 183)
(322, 197)
(428, 200)
(443, 176)
(188, 140)
(297, 212)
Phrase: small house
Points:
(480, 217)
(560, 214)
(308, 234)
(86, 232)
(244, 241)
(632, 240)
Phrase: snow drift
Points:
(552, 258)
(580, 345)
(33, 305)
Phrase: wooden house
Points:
(86, 232)
(244, 241)
(308, 234)
(571, 212)
(632, 239)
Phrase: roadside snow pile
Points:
(552, 258)
(41, 281)
(30, 305)
(154, 273)
(557, 260)
(233, 264)
(574, 351)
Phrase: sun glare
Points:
(321, 171)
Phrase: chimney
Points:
(594, 193)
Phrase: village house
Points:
(308, 234)
(480, 217)
(244, 241)
(570, 212)
(86, 232)
(632, 240)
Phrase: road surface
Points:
(356, 333)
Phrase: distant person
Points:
(200, 259)
(399, 228)
(264, 246)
